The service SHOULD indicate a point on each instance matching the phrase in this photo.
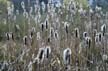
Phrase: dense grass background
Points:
(8, 25)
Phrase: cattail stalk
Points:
(67, 58)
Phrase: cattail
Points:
(42, 27)
(98, 37)
(66, 27)
(41, 54)
(47, 51)
(76, 32)
(32, 31)
(10, 36)
(4, 66)
(85, 34)
(88, 41)
(25, 40)
(46, 24)
(67, 56)
(49, 39)
(103, 29)
(51, 32)
(31, 34)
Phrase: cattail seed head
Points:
(47, 51)
(85, 34)
(41, 54)
(31, 34)
(51, 32)
(42, 27)
(49, 40)
(76, 32)
(103, 29)
(66, 25)
(32, 31)
(67, 56)
(25, 40)
(98, 37)
(10, 36)
(46, 24)
(88, 41)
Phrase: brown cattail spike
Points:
(66, 29)
(88, 41)
(100, 37)
(25, 40)
(49, 40)
(66, 25)
(41, 54)
(47, 51)
(31, 33)
(51, 32)
(103, 29)
(42, 27)
(76, 32)
(46, 24)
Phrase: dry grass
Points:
(87, 54)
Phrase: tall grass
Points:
(31, 46)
